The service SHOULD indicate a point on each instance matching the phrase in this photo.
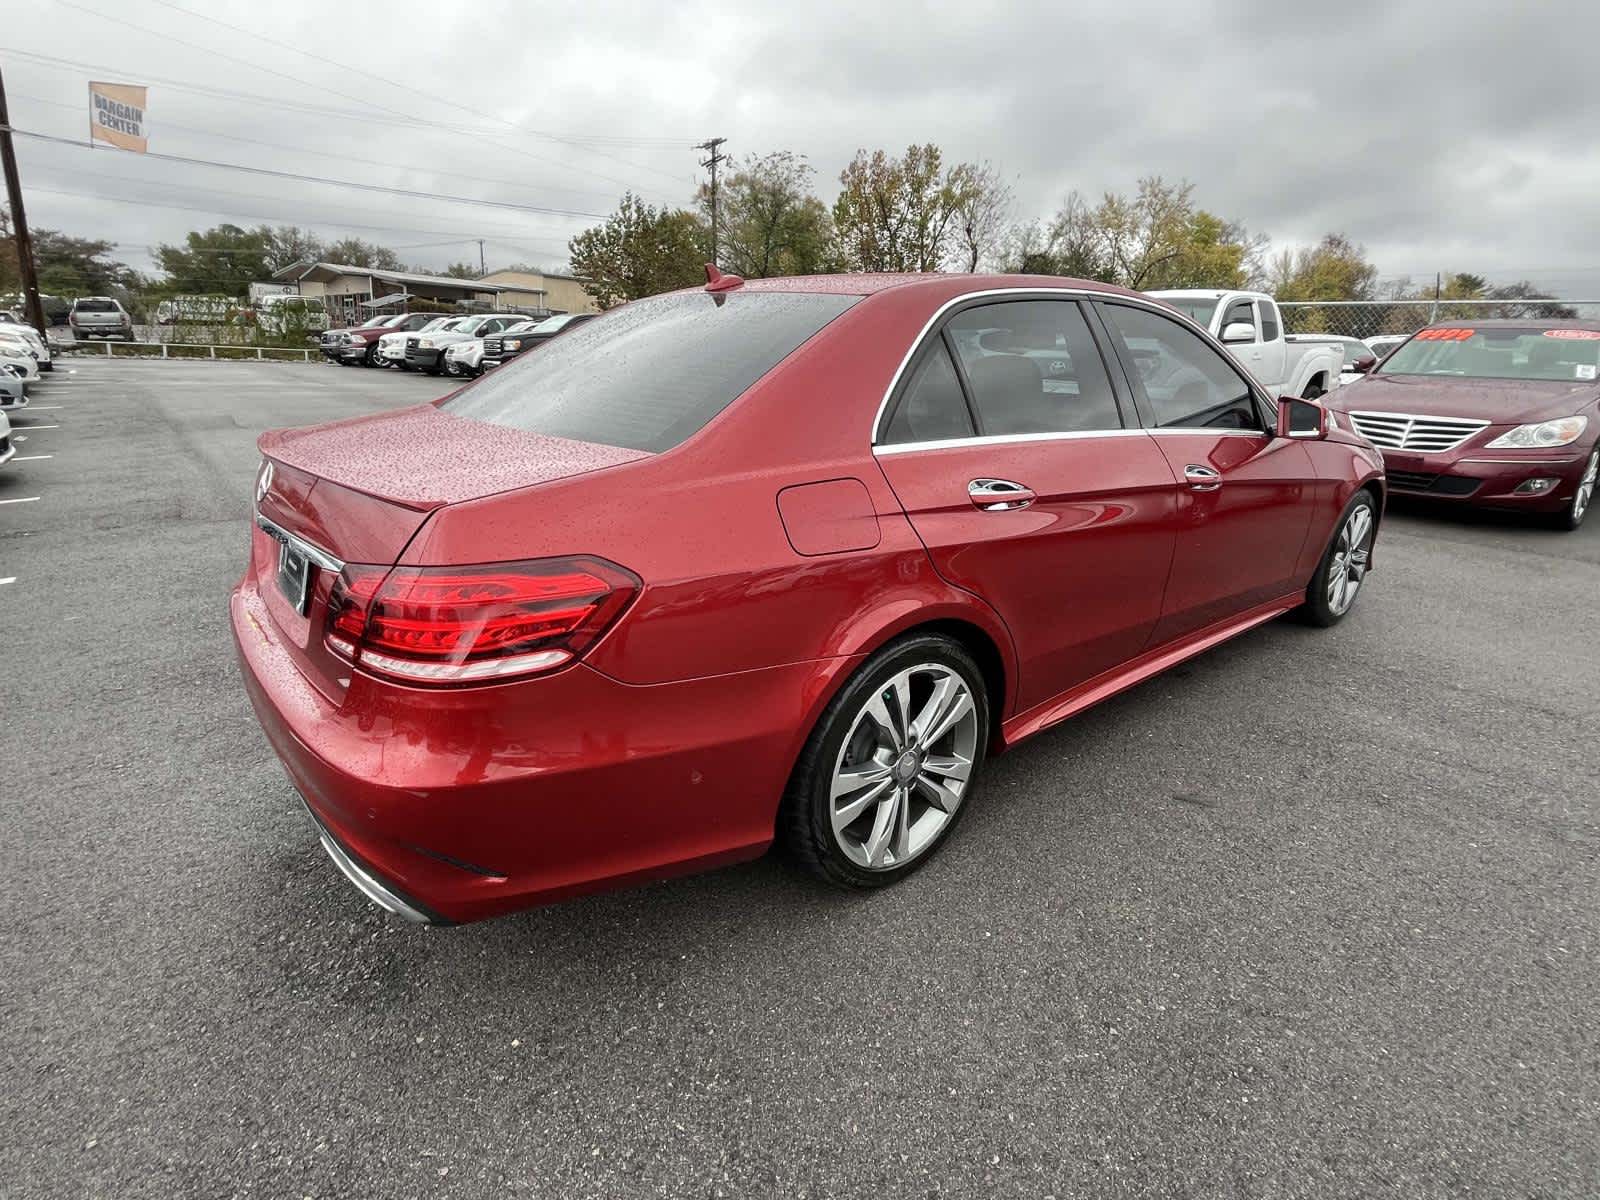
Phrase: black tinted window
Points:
(1185, 382)
(652, 373)
(1269, 321)
(932, 407)
(1033, 368)
(95, 305)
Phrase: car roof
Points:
(933, 281)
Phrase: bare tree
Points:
(983, 206)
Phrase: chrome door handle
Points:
(1202, 479)
(999, 495)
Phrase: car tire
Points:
(403, 365)
(1327, 602)
(1312, 392)
(1570, 518)
(370, 358)
(910, 791)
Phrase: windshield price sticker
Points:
(1573, 335)
(1584, 371)
(1444, 335)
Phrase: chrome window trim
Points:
(996, 439)
(1045, 293)
(314, 554)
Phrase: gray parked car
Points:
(100, 316)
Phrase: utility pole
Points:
(482, 270)
(712, 147)
(19, 219)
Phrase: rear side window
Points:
(932, 408)
(1269, 321)
(1033, 368)
(652, 373)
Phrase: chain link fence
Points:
(1371, 318)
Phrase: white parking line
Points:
(42, 407)
(8, 579)
(37, 427)
(31, 457)
(20, 500)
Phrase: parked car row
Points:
(443, 345)
(24, 358)
(24, 355)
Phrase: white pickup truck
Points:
(1249, 325)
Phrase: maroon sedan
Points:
(784, 560)
(1495, 413)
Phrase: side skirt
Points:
(1042, 716)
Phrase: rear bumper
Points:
(464, 804)
(367, 881)
(1487, 478)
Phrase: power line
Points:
(568, 139)
(349, 183)
(101, 15)
(225, 212)
(340, 155)
(408, 123)
(187, 191)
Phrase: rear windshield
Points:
(650, 374)
(95, 305)
(1197, 308)
(1572, 355)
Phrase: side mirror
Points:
(1299, 418)
(1363, 364)
(1239, 331)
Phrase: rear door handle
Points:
(1202, 479)
(999, 495)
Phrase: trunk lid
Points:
(357, 491)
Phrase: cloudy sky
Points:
(1457, 136)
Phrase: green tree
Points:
(639, 251)
(1155, 238)
(289, 244)
(1334, 269)
(67, 266)
(224, 261)
(354, 252)
(769, 221)
(895, 214)
(462, 270)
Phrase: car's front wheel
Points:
(890, 766)
(1577, 508)
(1344, 567)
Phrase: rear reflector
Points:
(443, 625)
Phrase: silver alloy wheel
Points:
(1585, 493)
(1351, 554)
(904, 767)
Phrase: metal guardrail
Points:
(250, 353)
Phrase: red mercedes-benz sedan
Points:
(1504, 414)
(779, 560)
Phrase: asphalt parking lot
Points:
(1315, 914)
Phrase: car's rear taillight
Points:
(474, 624)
